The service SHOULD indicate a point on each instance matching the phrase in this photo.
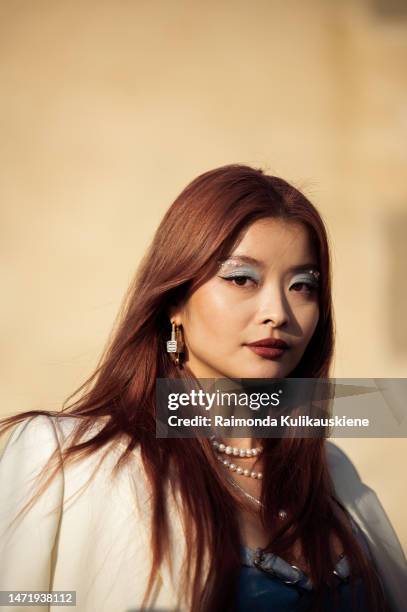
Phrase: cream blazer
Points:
(96, 541)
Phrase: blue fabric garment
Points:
(288, 591)
(268, 583)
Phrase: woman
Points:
(129, 520)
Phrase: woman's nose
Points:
(275, 310)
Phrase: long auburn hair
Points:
(202, 225)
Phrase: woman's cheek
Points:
(309, 321)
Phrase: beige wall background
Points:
(110, 107)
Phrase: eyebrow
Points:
(252, 260)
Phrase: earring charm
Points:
(175, 345)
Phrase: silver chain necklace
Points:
(248, 495)
(282, 514)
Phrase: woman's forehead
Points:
(266, 240)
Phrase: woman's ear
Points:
(174, 313)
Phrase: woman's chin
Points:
(276, 371)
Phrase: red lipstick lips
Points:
(269, 348)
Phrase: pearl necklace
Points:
(237, 452)
(242, 452)
(239, 470)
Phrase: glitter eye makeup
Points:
(230, 270)
(315, 273)
(310, 277)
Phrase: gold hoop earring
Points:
(175, 346)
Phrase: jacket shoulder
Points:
(364, 506)
(28, 534)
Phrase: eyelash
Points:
(311, 286)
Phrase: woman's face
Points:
(247, 300)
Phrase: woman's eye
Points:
(305, 287)
(309, 287)
(239, 280)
